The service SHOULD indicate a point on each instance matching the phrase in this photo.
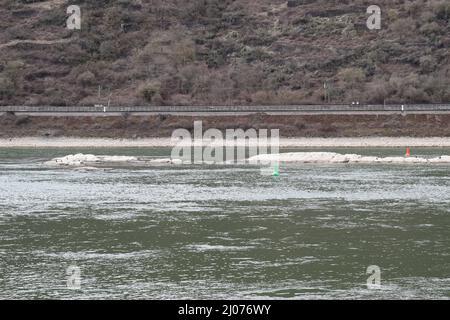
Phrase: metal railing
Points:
(237, 109)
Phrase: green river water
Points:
(205, 231)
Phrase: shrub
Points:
(109, 50)
(149, 90)
(430, 29)
(7, 88)
(442, 10)
(351, 77)
(87, 78)
(184, 52)
(377, 91)
(428, 63)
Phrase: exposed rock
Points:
(331, 157)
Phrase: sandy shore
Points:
(38, 142)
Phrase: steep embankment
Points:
(413, 125)
(223, 52)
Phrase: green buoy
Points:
(276, 171)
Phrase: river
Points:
(223, 232)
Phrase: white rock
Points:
(331, 157)
(73, 160)
(87, 160)
(441, 159)
(166, 161)
(117, 159)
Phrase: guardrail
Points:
(191, 109)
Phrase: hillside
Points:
(156, 52)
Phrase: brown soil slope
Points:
(414, 125)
